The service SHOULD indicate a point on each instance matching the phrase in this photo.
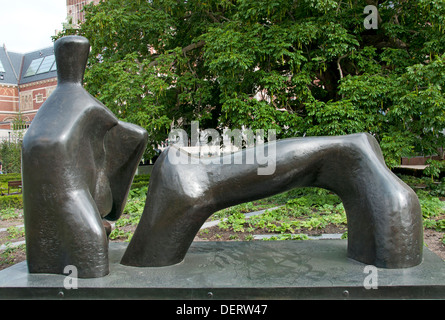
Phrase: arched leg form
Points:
(384, 217)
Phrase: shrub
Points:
(12, 201)
(10, 177)
(140, 181)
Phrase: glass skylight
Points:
(46, 64)
(1, 67)
(33, 67)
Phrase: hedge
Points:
(141, 177)
(140, 181)
(10, 177)
(12, 201)
(16, 200)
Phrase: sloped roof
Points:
(38, 65)
(16, 66)
(11, 63)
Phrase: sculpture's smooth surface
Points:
(383, 213)
(78, 164)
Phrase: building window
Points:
(41, 65)
(39, 98)
(1, 67)
(46, 65)
(33, 67)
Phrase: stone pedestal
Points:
(313, 269)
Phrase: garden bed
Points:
(298, 214)
(217, 234)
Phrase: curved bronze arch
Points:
(383, 213)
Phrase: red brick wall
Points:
(9, 104)
(9, 98)
(74, 9)
(33, 95)
(6, 118)
(27, 99)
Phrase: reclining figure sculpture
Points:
(79, 161)
(78, 164)
(383, 213)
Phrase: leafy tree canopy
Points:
(301, 67)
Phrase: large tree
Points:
(301, 67)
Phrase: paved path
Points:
(247, 215)
(7, 245)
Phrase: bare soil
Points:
(217, 234)
(432, 238)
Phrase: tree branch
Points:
(185, 50)
(339, 66)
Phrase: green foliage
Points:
(8, 213)
(431, 206)
(141, 178)
(10, 177)
(287, 236)
(335, 118)
(434, 168)
(133, 209)
(299, 67)
(438, 225)
(9, 254)
(12, 201)
(136, 200)
(438, 189)
(11, 148)
(304, 208)
(10, 153)
(8, 202)
(140, 181)
(235, 222)
(315, 209)
(15, 232)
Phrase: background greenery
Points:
(11, 148)
(318, 69)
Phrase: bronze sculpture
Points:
(383, 213)
(79, 161)
(78, 164)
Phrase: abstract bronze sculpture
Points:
(383, 213)
(79, 161)
(78, 164)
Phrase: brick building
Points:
(26, 81)
(74, 9)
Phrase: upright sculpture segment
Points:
(78, 164)
(383, 213)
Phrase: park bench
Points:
(15, 185)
